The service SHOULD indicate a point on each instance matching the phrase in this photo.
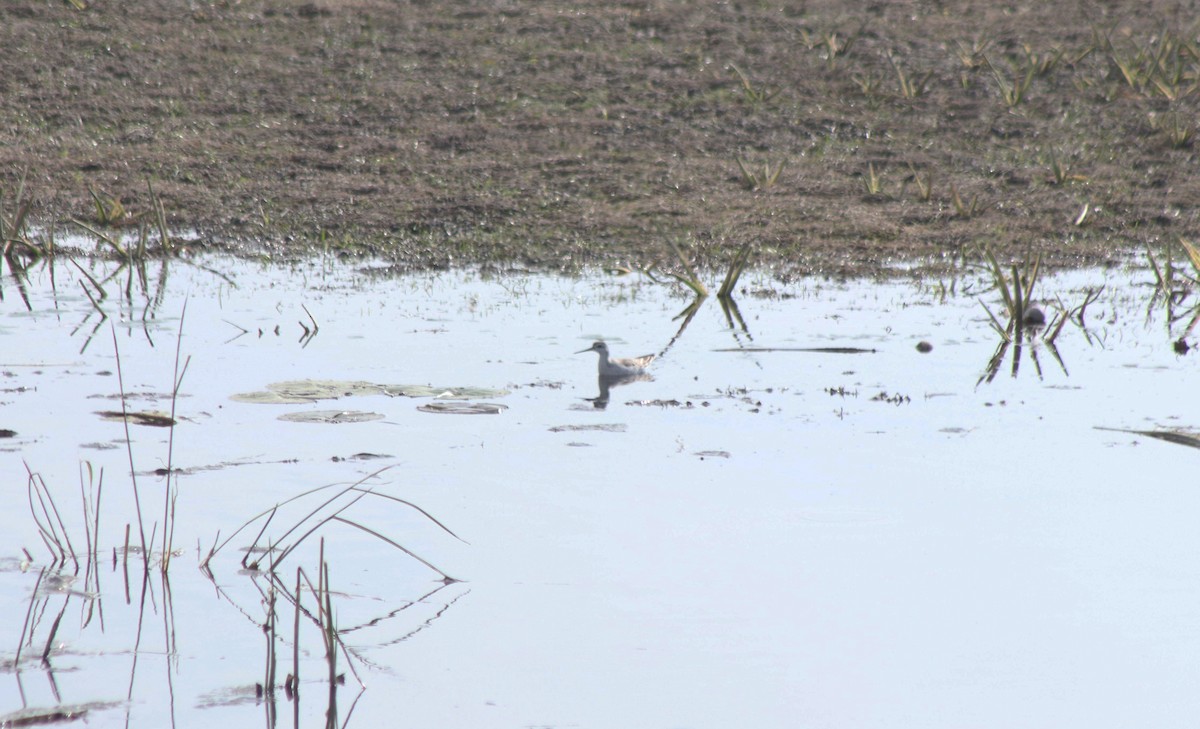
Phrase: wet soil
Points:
(598, 131)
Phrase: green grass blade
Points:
(735, 271)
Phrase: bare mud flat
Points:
(830, 138)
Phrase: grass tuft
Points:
(760, 179)
(1178, 129)
(1014, 90)
(1193, 254)
(924, 183)
(1017, 293)
(1060, 172)
(912, 84)
(972, 54)
(873, 182)
(15, 238)
(689, 278)
(964, 208)
(110, 211)
(832, 44)
(735, 271)
(756, 95)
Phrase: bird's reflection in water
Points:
(607, 382)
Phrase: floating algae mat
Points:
(459, 407)
(307, 391)
(331, 417)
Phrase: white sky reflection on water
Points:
(974, 554)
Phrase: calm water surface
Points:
(751, 538)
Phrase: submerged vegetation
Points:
(23, 244)
(147, 556)
(280, 569)
(1176, 288)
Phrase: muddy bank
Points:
(550, 135)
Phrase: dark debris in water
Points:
(771, 294)
(230, 696)
(892, 398)
(1170, 436)
(712, 454)
(602, 427)
(151, 396)
(443, 393)
(359, 457)
(97, 446)
(460, 407)
(15, 564)
(307, 391)
(746, 396)
(686, 405)
(332, 417)
(186, 471)
(814, 350)
(548, 384)
(739, 392)
(43, 717)
(153, 419)
(46, 716)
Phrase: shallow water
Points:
(751, 538)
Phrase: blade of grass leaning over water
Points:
(691, 280)
(46, 516)
(735, 271)
(1000, 329)
(733, 316)
(137, 499)
(1193, 255)
(13, 229)
(445, 577)
(337, 514)
(160, 219)
(1170, 436)
(295, 677)
(329, 632)
(999, 280)
(1160, 282)
(171, 490)
(1017, 294)
(1056, 326)
(268, 686)
(27, 626)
